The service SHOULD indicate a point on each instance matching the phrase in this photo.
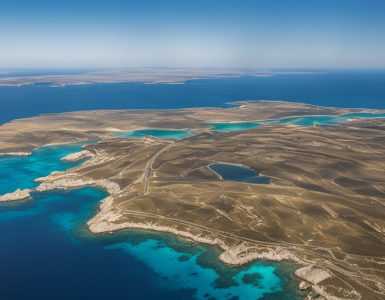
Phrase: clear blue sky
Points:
(192, 33)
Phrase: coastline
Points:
(16, 195)
(28, 153)
(237, 254)
(16, 153)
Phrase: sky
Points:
(192, 33)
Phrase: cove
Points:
(166, 134)
(238, 173)
(20, 171)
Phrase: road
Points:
(147, 172)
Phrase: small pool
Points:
(238, 173)
(234, 126)
(166, 134)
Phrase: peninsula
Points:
(323, 205)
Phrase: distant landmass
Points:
(143, 75)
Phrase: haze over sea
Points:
(340, 88)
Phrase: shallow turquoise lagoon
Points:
(166, 134)
(325, 119)
(238, 173)
(234, 126)
(20, 171)
(310, 120)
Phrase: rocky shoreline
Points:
(107, 220)
(16, 195)
(68, 183)
(73, 157)
(16, 153)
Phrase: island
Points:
(290, 181)
(125, 75)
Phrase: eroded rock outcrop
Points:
(242, 254)
(16, 195)
(312, 274)
(19, 153)
(67, 182)
(78, 156)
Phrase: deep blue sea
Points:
(46, 251)
(329, 88)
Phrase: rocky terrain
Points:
(16, 195)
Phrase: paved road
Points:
(147, 172)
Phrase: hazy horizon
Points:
(193, 33)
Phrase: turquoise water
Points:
(310, 120)
(326, 120)
(234, 126)
(183, 271)
(166, 134)
(47, 249)
(20, 171)
(239, 173)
